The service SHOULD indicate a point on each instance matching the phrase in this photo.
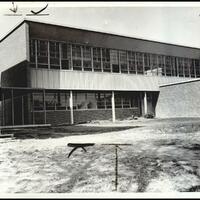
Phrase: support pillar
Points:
(71, 107)
(113, 106)
(145, 103)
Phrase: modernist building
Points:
(57, 74)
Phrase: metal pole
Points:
(116, 167)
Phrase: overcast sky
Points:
(172, 23)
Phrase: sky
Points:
(176, 23)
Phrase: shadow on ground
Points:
(63, 131)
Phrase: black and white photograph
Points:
(99, 99)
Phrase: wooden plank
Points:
(25, 126)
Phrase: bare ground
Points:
(163, 157)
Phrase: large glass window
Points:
(114, 59)
(32, 53)
(87, 59)
(147, 67)
(62, 102)
(132, 62)
(76, 57)
(97, 59)
(54, 55)
(197, 68)
(168, 65)
(139, 59)
(60, 55)
(180, 67)
(126, 100)
(65, 56)
(186, 66)
(50, 101)
(154, 63)
(161, 65)
(103, 100)
(192, 68)
(84, 100)
(42, 54)
(123, 61)
(106, 60)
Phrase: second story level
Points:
(52, 49)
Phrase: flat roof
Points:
(89, 30)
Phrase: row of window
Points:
(59, 55)
(82, 101)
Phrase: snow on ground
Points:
(163, 157)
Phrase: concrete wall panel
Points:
(180, 100)
(76, 80)
(14, 48)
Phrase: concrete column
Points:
(71, 107)
(145, 103)
(113, 106)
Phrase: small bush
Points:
(149, 115)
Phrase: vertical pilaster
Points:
(113, 106)
(71, 107)
(145, 103)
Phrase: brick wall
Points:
(58, 117)
(88, 115)
(38, 117)
(121, 113)
(180, 100)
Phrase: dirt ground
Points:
(163, 156)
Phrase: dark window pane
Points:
(106, 60)
(114, 59)
(38, 101)
(65, 56)
(132, 62)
